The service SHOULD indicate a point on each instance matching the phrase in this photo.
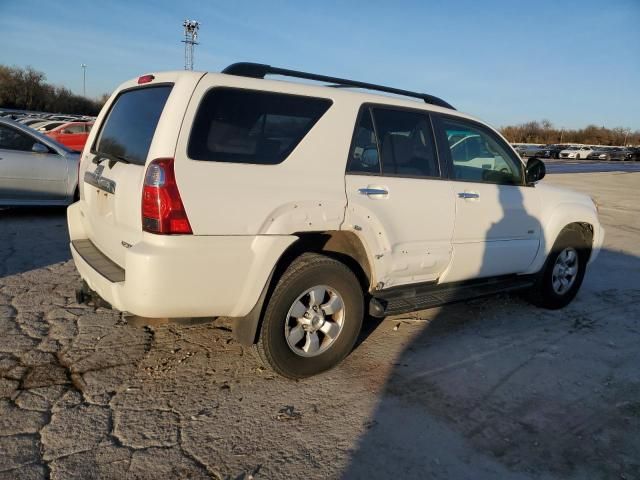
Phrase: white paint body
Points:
(245, 216)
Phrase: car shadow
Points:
(26, 245)
(497, 388)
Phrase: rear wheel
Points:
(560, 279)
(313, 317)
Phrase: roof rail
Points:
(259, 70)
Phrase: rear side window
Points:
(247, 126)
(406, 143)
(394, 143)
(128, 130)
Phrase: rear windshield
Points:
(127, 132)
(247, 126)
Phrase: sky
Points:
(505, 61)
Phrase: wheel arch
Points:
(576, 217)
(344, 246)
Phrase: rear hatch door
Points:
(138, 124)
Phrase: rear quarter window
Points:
(131, 123)
(249, 126)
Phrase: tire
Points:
(283, 320)
(545, 293)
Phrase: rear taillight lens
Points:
(162, 208)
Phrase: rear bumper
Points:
(184, 276)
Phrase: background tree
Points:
(544, 132)
(26, 89)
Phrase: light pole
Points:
(84, 79)
(191, 28)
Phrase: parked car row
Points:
(578, 152)
(69, 130)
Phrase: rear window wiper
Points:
(99, 157)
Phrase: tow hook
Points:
(83, 294)
(86, 296)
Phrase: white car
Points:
(576, 152)
(297, 209)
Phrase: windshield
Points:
(129, 127)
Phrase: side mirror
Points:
(535, 170)
(39, 148)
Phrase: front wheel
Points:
(313, 317)
(560, 279)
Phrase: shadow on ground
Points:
(495, 388)
(32, 238)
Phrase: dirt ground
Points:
(490, 388)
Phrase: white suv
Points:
(299, 209)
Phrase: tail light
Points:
(162, 208)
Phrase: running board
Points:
(411, 298)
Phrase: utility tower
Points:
(191, 28)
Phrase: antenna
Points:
(191, 28)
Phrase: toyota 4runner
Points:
(299, 209)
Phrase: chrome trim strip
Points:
(100, 182)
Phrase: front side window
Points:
(11, 139)
(247, 126)
(478, 156)
(395, 143)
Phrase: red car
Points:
(73, 134)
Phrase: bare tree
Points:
(545, 132)
(26, 89)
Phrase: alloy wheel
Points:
(565, 271)
(314, 321)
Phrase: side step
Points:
(411, 298)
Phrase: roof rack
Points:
(259, 70)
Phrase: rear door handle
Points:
(373, 191)
(468, 195)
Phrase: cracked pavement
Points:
(491, 388)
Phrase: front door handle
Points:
(373, 191)
(468, 195)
